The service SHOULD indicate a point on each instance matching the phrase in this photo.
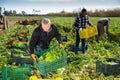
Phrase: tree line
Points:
(97, 13)
(14, 13)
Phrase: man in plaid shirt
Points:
(79, 24)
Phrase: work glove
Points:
(61, 46)
(80, 29)
(33, 57)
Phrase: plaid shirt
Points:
(81, 22)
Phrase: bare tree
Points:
(0, 11)
(6, 12)
(63, 11)
(14, 12)
(23, 13)
(10, 12)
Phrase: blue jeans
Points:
(38, 48)
(78, 41)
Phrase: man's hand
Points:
(33, 57)
(61, 46)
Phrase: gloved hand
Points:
(33, 57)
(80, 29)
(61, 45)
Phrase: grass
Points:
(81, 66)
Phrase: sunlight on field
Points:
(81, 66)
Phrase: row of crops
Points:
(80, 66)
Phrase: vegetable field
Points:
(79, 66)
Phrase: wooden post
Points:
(5, 23)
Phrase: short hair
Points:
(83, 10)
(45, 21)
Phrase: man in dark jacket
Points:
(79, 24)
(100, 26)
(42, 36)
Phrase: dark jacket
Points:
(104, 21)
(101, 23)
(42, 38)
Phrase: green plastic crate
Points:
(20, 38)
(19, 73)
(46, 67)
(22, 60)
(23, 47)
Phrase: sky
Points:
(49, 6)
